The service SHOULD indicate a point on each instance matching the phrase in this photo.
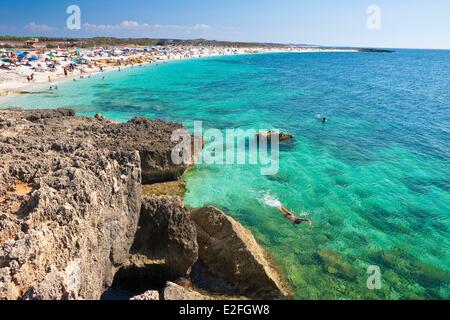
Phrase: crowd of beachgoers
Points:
(19, 68)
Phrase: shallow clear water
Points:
(375, 179)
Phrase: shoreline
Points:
(16, 86)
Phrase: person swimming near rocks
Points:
(275, 203)
(324, 120)
(291, 216)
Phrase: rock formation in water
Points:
(231, 253)
(268, 135)
(73, 221)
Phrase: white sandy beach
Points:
(15, 81)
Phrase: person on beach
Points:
(65, 72)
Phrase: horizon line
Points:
(230, 41)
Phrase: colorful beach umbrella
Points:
(7, 60)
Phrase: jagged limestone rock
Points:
(230, 252)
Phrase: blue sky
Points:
(404, 23)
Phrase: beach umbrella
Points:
(33, 58)
(56, 59)
(7, 60)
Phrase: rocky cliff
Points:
(73, 222)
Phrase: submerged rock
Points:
(230, 252)
(409, 266)
(336, 265)
(172, 188)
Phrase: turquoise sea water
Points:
(375, 179)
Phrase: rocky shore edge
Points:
(90, 207)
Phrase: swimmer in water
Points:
(285, 212)
(324, 120)
(291, 216)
